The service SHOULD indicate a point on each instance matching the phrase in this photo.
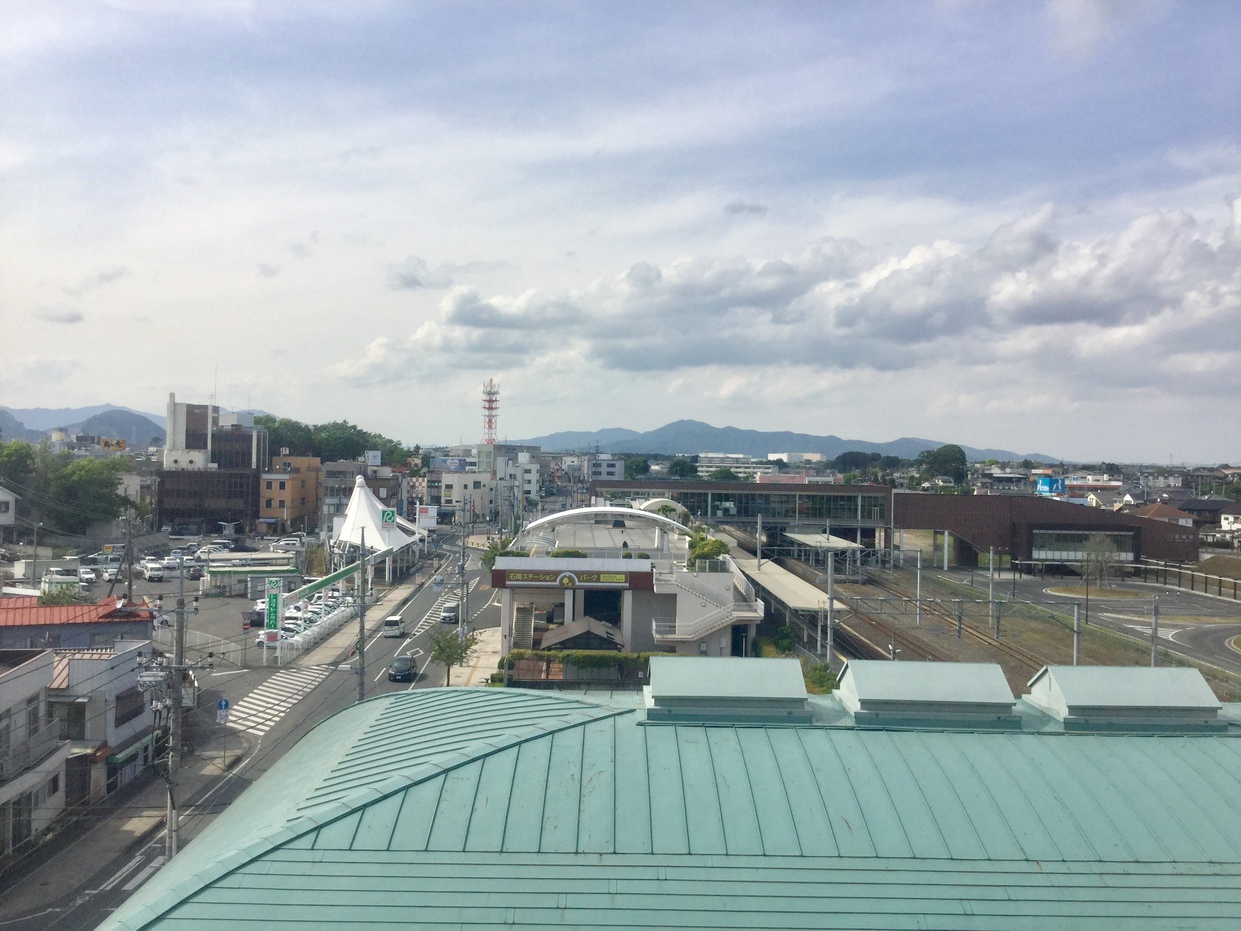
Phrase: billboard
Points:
(1047, 485)
(451, 464)
(374, 457)
(428, 516)
(109, 443)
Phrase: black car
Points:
(402, 669)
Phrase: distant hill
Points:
(109, 420)
(45, 418)
(687, 437)
(13, 429)
(135, 429)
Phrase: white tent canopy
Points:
(365, 512)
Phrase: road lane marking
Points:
(144, 875)
(259, 711)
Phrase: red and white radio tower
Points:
(491, 408)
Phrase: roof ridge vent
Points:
(944, 695)
(725, 690)
(1144, 699)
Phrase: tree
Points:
(283, 433)
(17, 464)
(448, 649)
(724, 474)
(338, 441)
(635, 466)
(83, 491)
(947, 460)
(682, 467)
(703, 547)
(1102, 557)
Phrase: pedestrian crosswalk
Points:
(431, 618)
(259, 711)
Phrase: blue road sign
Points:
(222, 704)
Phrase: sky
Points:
(1010, 224)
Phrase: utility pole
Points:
(129, 556)
(34, 567)
(362, 620)
(463, 608)
(1154, 631)
(174, 720)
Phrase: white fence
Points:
(198, 644)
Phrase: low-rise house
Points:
(32, 754)
(97, 705)
(26, 624)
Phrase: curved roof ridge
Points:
(318, 816)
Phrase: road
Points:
(1197, 626)
(271, 709)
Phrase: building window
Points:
(268, 488)
(267, 501)
(303, 502)
(129, 705)
(32, 715)
(282, 502)
(282, 486)
(4, 507)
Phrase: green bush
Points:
(820, 679)
(783, 639)
(644, 556)
(583, 659)
(568, 554)
(626, 555)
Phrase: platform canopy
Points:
(365, 513)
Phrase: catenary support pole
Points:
(918, 599)
(831, 604)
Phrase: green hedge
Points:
(585, 659)
(568, 554)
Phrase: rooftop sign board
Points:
(575, 578)
(1049, 485)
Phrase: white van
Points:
(450, 612)
(394, 626)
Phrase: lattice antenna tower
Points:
(491, 410)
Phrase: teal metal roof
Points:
(479, 808)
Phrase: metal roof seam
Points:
(818, 787)
(788, 803)
(1135, 813)
(868, 784)
(965, 809)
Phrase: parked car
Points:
(402, 669)
(286, 633)
(151, 570)
(86, 575)
(113, 573)
(288, 543)
(394, 626)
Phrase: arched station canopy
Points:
(577, 515)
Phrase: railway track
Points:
(867, 636)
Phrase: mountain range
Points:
(688, 437)
(136, 428)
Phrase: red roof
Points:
(25, 611)
(1162, 512)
